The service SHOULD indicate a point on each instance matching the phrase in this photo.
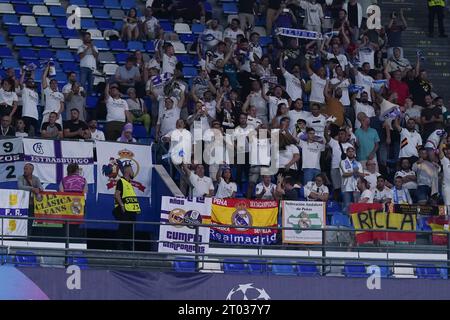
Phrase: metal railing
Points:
(142, 253)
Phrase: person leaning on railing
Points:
(31, 183)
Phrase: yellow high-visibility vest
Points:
(129, 198)
(434, 3)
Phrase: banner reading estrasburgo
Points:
(244, 213)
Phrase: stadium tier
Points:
(254, 145)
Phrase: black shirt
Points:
(427, 113)
(246, 6)
(274, 4)
(10, 132)
(73, 127)
(353, 15)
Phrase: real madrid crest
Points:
(242, 217)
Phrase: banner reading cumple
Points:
(62, 205)
(372, 217)
(244, 213)
(51, 158)
(112, 156)
(14, 203)
(178, 210)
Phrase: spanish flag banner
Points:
(244, 213)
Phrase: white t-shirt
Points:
(169, 64)
(293, 86)
(343, 62)
(211, 108)
(349, 183)
(367, 194)
(336, 152)
(116, 109)
(68, 87)
(225, 190)
(8, 97)
(53, 100)
(317, 86)
(200, 186)
(371, 178)
(410, 184)
(317, 123)
(168, 120)
(367, 55)
(294, 116)
(366, 108)
(273, 105)
(365, 81)
(446, 169)
(382, 195)
(313, 13)
(261, 106)
(255, 122)
(268, 190)
(30, 100)
(285, 156)
(98, 135)
(312, 187)
(345, 99)
(242, 135)
(409, 141)
(88, 60)
(401, 196)
(311, 154)
(151, 23)
(232, 35)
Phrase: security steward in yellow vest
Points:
(126, 207)
(436, 8)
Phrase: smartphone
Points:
(285, 10)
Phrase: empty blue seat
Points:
(135, 45)
(128, 4)
(189, 72)
(230, 8)
(150, 46)
(91, 102)
(101, 45)
(118, 25)
(139, 131)
(45, 22)
(281, 267)
(80, 3)
(428, 271)
(23, 9)
(197, 28)
(51, 32)
(187, 38)
(185, 59)
(62, 55)
(208, 7)
(333, 206)
(18, 1)
(57, 11)
(81, 262)
(121, 58)
(166, 26)
(184, 264)
(257, 266)
(69, 33)
(36, 2)
(46, 54)
(10, 20)
(87, 23)
(2, 41)
(21, 41)
(6, 52)
(308, 269)
(112, 4)
(105, 25)
(25, 259)
(100, 13)
(39, 42)
(26, 53)
(340, 220)
(234, 265)
(265, 41)
(385, 270)
(355, 270)
(118, 45)
(70, 66)
(95, 4)
(61, 22)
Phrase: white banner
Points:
(11, 157)
(298, 33)
(177, 210)
(303, 215)
(14, 203)
(51, 158)
(112, 156)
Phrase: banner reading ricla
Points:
(51, 158)
(112, 156)
(301, 215)
(177, 210)
(14, 203)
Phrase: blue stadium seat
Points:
(23, 9)
(10, 20)
(18, 1)
(308, 269)
(385, 269)
(280, 267)
(135, 45)
(69, 33)
(95, 4)
(57, 11)
(91, 102)
(118, 25)
(62, 56)
(185, 59)
(39, 42)
(187, 38)
(45, 22)
(21, 41)
(36, 2)
(68, 66)
(257, 266)
(51, 32)
(197, 28)
(105, 25)
(184, 264)
(230, 8)
(6, 53)
(26, 53)
(166, 26)
(46, 54)
(2, 41)
(189, 72)
(208, 7)
(428, 271)
(80, 3)
(340, 220)
(102, 45)
(81, 262)
(61, 22)
(121, 58)
(61, 78)
(117, 45)
(150, 46)
(88, 24)
(265, 41)
(128, 4)
(25, 259)
(139, 131)
(355, 270)
(112, 4)
(234, 266)
(100, 13)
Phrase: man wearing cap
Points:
(117, 112)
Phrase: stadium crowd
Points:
(357, 121)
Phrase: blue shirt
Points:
(366, 142)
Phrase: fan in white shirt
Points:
(8, 98)
(366, 194)
(274, 101)
(444, 155)
(410, 139)
(363, 79)
(294, 82)
(363, 106)
(381, 193)
(233, 31)
(95, 133)
(316, 120)
(226, 188)
(167, 120)
(318, 83)
(265, 189)
(297, 113)
(316, 190)
(169, 60)
(202, 186)
(54, 100)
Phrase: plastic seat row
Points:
(29, 259)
